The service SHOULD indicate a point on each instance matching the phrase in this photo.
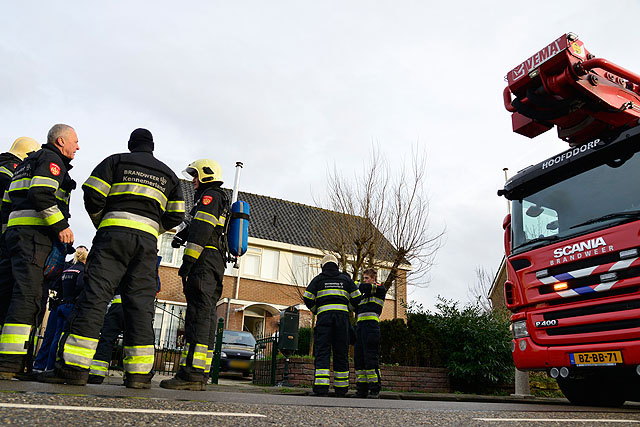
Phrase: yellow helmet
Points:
(205, 170)
(23, 146)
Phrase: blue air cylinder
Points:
(239, 228)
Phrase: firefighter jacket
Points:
(331, 290)
(370, 306)
(207, 224)
(8, 164)
(134, 192)
(72, 281)
(39, 191)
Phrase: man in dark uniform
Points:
(330, 296)
(9, 161)
(367, 348)
(131, 199)
(201, 271)
(38, 201)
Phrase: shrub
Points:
(474, 345)
(304, 341)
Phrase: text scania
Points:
(582, 249)
(568, 154)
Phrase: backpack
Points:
(54, 264)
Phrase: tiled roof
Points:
(279, 220)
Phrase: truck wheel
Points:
(591, 391)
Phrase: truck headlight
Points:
(519, 329)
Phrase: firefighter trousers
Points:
(202, 290)
(366, 355)
(117, 259)
(112, 327)
(331, 336)
(29, 248)
(6, 279)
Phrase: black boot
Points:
(176, 383)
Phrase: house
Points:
(281, 259)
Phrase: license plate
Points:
(239, 364)
(596, 358)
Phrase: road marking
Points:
(138, 411)
(556, 420)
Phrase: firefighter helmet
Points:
(205, 170)
(23, 146)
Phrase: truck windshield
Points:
(598, 198)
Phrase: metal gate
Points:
(264, 363)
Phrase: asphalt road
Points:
(237, 403)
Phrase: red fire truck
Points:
(572, 239)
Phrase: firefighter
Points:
(111, 328)
(131, 199)
(38, 199)
(367, 348)
(329, 296)
(201, 272)
(9, 161)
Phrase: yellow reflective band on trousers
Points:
(193, 250)
(98, 185)
(129, 220)
(330, 307)
(14, 338)
(341, 379)
(200, 357)
(322, 377)
(99, 367)
(183, 356)
(209, 361)
(372, 376)
(79, 351)
(138, 359)
(361, 376)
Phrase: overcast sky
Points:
(291, 88)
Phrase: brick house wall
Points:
(396, 378)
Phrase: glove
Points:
(185, 269)
(176, 242)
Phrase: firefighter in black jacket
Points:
(330, 296)
(131, 199)
(201, 271)
(9, 161)
(38, 205)
(367, 348)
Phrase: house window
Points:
(251, 262)
(170, 256)
(303, 269)
(260, 262)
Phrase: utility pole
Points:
(522, 388)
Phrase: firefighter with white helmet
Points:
(201, 271)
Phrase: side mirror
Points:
(506, 221)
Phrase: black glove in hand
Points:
(185, 269)
(176, 242)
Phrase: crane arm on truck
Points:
(565, 86)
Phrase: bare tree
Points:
(380, 219)
(479, 290)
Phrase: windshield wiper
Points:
(624, 214)
(537, 240)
